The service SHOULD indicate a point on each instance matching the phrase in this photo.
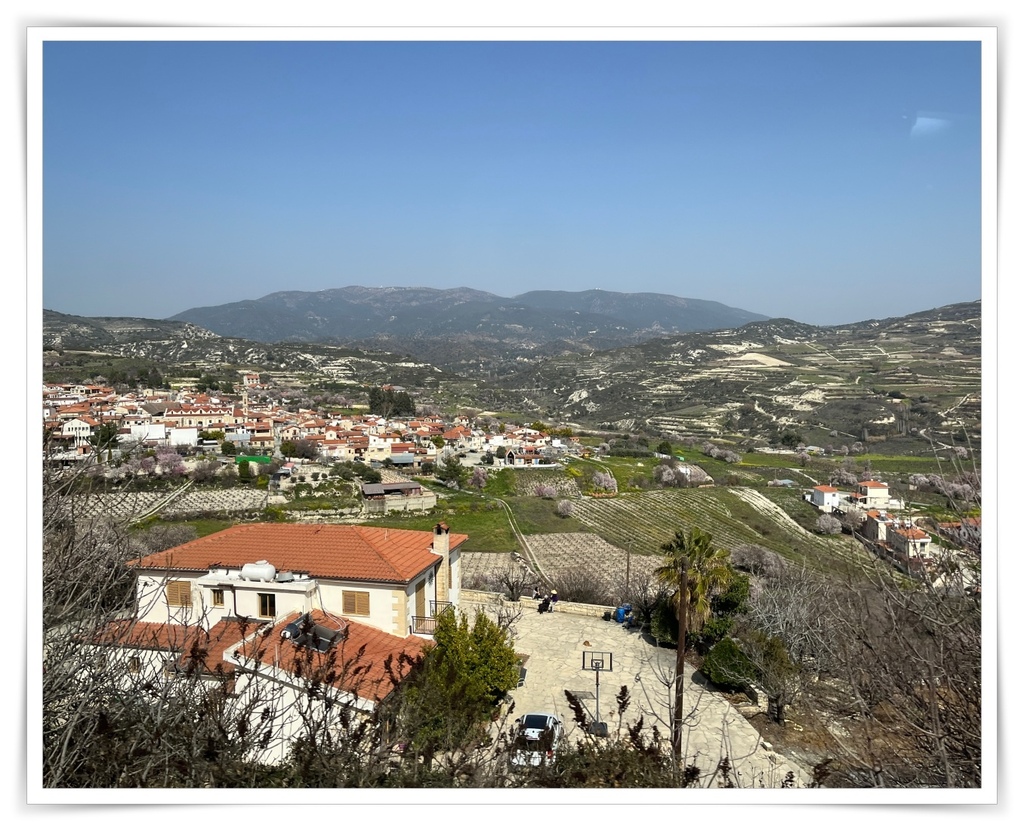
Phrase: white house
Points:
(824, 497)
(270, 608)
(393, 580)
(297, 668)
(79, 429)
(872, 494)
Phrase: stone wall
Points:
(425, 502)
(486, 598)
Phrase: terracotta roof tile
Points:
(350, 552)
(193, 643)
(358, 660)
(911, 533)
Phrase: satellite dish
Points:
(291, 632)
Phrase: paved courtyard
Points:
(555, 644)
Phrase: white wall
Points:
(383, 608)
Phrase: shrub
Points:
(727, 667)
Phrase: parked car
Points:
(536, 740)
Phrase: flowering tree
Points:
(828, 524)
(565, 508)
(169, 464)
(605, 481)
(479, 478)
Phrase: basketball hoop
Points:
(597, 662)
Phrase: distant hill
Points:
(908, 381)
(907, 378)
(64, 331)
(179, 348)
(422, 320)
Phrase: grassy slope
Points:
(646, 519)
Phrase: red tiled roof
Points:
(871, 483)
(911, 533)
(358, 660)
(193, 643)
(352, 552)
(825, 488)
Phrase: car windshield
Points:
(534, 721)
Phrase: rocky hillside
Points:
(906, 381)
(909, 378)
(181, 348)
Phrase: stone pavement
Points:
(555, 643)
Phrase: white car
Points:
(536, 740)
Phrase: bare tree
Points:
(515, 580)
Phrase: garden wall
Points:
(486, 598)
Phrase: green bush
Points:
(727, 667)
(664, 626)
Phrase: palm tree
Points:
(695, 570)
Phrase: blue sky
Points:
(827, 182)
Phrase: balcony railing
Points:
(426, 625)
(423, 625)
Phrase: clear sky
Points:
(827, 182)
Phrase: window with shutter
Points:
(218, 597)
(355, 603)
(179, 593)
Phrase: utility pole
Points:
(629, 546)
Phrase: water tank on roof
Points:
(260, 571)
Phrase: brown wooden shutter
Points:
(179, 593)
(355, 603)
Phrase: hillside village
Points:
(255, 426)
(259, 606)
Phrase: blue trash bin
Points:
(620, 614)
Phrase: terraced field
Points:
(556, 554)
(184, 501)
(737, 516)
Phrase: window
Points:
(218, 597)
(179, 593)
(134, 665)
(268, 605)
(355, 603)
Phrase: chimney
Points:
(441, 539)
(443, 582)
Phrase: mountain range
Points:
(429, 322)
(907, 380)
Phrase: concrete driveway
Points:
(555, 643)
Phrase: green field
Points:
(739, 510)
